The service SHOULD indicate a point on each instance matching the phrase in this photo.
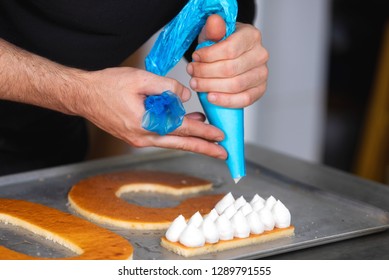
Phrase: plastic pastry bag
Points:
(164, 113)
(177, 36)
(172, 43)
(169, 48)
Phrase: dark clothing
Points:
(85, 34)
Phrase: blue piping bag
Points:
(169, 48)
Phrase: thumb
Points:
(213, 30)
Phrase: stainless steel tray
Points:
(319, 217)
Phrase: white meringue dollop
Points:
(255, 223)
(176, 228)
(240, 225)
(196, 219)
(256, 198)
(230, 211)
(210, 231)
(281, 214)
(239, 202)
(270, 201)
(230, 218)
(224, 226)
(226, 201)
(213, 215)
(258, 205)
(246, 209)
(267, 218)
(192, 237)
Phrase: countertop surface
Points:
(310, 180)
(373, 246)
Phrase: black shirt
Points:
(86, 34)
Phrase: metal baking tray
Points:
(319, 217)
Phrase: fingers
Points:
(191, 144)
(243, 39)
(193, 135)
(242, 82)
(195, 128)
(214, 29)
(236, 92)
(233, 71)
(237, 100)
(196, 116)
(228, 68)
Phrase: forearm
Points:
(31, 79)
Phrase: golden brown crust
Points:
(82, 237)
(97, 198)
(222, 245)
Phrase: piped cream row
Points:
(231, 218)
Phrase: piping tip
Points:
(236, 180)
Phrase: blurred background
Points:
(327, 99)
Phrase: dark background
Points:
(355, 41)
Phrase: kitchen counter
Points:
(354, 229)
(374, 246)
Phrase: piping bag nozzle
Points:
(230, 121)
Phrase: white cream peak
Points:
(230, 218)
(224, 226)
(240, 225)
(257, 205)
(270, 201)
(267, 218)
(192, 237)
(256, 198)
(281, 214)
(255, 223)
(213, 215)
(239, 202)
(223, 203)
(176, 228)
(230, 211)
(210, 231)
(196, 219)
(246, 209)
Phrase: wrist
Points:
(73, 91)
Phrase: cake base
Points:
(222, 245)
(87, 240)
(98, 198)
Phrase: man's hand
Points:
(116, 104)
(233, 71)
(112, 99)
